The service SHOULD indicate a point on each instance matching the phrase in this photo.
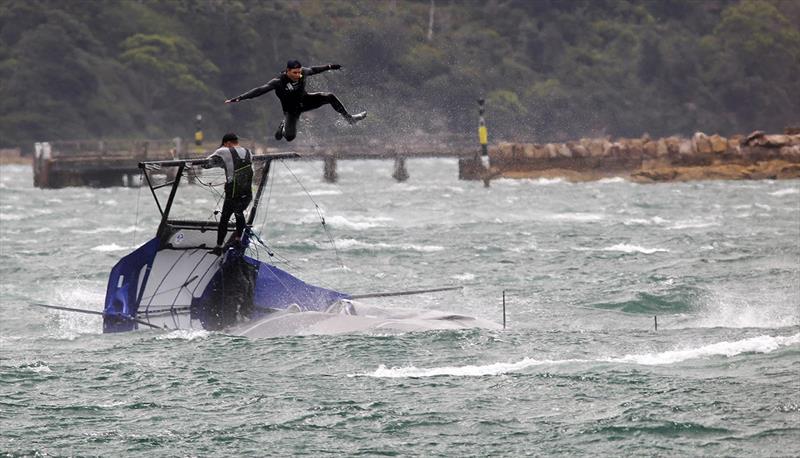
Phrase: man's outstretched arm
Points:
(256, 91)
(320, 68)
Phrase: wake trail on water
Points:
(759, 344)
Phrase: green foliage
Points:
(549, 69)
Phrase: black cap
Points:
(229, 137)
(293, 64)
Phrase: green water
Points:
(580, 370)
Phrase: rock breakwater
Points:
(755, 156)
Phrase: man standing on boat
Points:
(238, 166)
(290, 87)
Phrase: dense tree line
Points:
(549, 69)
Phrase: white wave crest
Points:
(626, 248)
(760, 344)
(39, 368)
(692, 225)
(324, 192)
(184, 334)
(546, 181)
(98, 230)
(611, 180)
(458, 371)
(578, 217)
(357, 223)
(353, 244)
(12, 217)
(112, 247)
(785, 192)
(645, 221)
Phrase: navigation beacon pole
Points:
(483, 138)
(198, 134)
(471, 167)
(483, 134)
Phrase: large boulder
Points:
(662, 148)
(596, 147)
(674, 145)
(650, 148)
(635, 148)
(563, 150)
(686, 148)
(718, 144)
(578, 150)
(701, 144)
(529, 150)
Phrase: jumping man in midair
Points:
(290, 87)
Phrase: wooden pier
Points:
(103, 163)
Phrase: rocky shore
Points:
(702, 157)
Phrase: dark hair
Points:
(229, 137)
(293, 64)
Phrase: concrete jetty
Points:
(101, 163)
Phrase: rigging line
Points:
(319, 213)
(276, 258)
(210, 266)
(163, 279)
(285, 261)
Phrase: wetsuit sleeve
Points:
(307, 71)
(257, 91)
(214, 161)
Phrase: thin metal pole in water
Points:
(504, 309)
(655, 321)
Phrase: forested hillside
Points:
(549, 69)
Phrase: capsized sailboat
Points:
(176, 281)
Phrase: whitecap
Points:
(626, 248)
(325, 192)
(112, 247)
(611, 180)
(692, 225)
(456, 371)
(357, 223)
(578, 217)
(645, 221)
(785, 192)
(40, 368)
(353, 244)
(760, 344)
(547, 181)
(98, 230)
(184, 334)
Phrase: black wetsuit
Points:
(294, 98)
(238, 187)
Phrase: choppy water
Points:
(579, 371)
